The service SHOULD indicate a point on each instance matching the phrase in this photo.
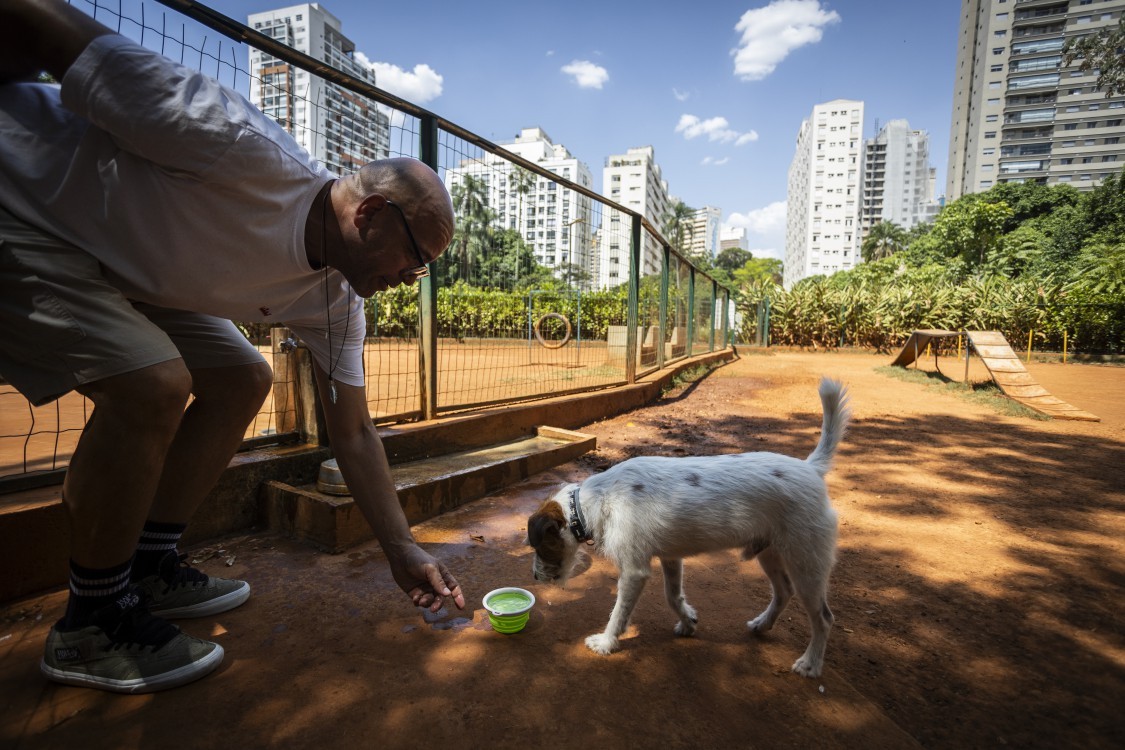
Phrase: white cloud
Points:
(710, 161)
(765, 229)
(681, 96)
(769, 34)
(420, 85)
(586, 74)
(715, 128)
(550, 53)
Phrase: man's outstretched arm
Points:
(363, 462)
(42, 35)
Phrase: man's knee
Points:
(157, 393)
(238, 385)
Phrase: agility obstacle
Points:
(1003, 365)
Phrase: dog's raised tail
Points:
(834, 399)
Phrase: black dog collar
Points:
(577, 525)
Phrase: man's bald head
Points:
(418, 191)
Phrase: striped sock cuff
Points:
(98, 584)
(160, 537)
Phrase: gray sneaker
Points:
(180, 590)
(124, 649)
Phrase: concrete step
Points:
(426, 487)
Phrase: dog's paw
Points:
(602, 644)
(806, 667)
(683, 629)
(687, 628)
(759, 624)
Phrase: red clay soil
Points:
(977, 595)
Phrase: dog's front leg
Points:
(629, 587)
(674, 593)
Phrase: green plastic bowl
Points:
(509, 608)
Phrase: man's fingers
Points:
(437, 575)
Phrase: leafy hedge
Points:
(1021, 259)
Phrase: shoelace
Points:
(137, 627)
(183, 574)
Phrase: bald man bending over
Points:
(143, 206)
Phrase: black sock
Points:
(93, 588)
(157, 540)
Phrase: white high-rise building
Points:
(554, 221)
(897, 178)
(822, 221)
(703, 232)
(1018, 114)
(341, 129)
(733, 237)
(632, 179)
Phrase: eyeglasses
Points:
(410, 275)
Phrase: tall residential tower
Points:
(341, 129)
(1018, 114)
(822, 221)
(897, 178)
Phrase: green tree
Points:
(674, 224)
(473, 228)
(520, 182)
(758, 269)
(1103, 51)
(970, 227)
(508, 259)
(884, 240)
(732, 259)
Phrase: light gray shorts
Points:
(62, 324)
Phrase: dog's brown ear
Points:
(546, 520)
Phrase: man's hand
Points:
(424, 578)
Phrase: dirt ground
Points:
(977, 595)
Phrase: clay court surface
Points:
(977, 595)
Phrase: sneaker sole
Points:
(223, 603)
(175, 678)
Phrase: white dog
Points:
(774, 507)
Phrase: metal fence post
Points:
(662, 330)
(427, 294)
(711, 317)
(691, 311)
(631, 316)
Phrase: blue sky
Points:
(718, 88)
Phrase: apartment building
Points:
(1018, 114)
(733, 237)
(634, 180)
(341, 129)
(824, 191)
(555, 221)
(898, 181)
(702, 236)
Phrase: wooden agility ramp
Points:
(1004, 365)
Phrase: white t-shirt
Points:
(189, 196)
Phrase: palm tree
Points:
(884, 240)
(675, 224)
(474, 217)
(520, 181)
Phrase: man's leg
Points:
(116, 466)
(212, 428)
(225, 400)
